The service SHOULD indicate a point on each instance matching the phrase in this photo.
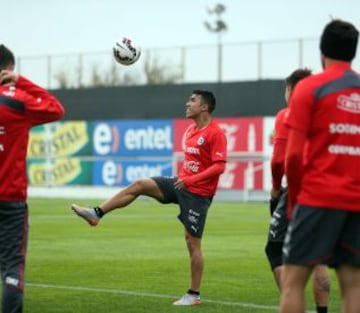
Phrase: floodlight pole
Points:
(219, 61)
(219, 27)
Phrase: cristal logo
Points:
(58, 139)
(349, 103)
(192, 166)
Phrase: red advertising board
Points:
(245, 137)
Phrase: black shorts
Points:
(13, 243)
(193, 208)
(323, 236)
(277, 232)
(279, 222)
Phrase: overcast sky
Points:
(48, 27)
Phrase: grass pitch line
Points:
(151, 295)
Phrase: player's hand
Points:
(179, 184)
(8, 78)
(275, 193)
(274, 199)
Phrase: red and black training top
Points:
(205, 154)
(21, 107)
(326, 108)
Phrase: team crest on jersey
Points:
(349, 103)
(201, 141)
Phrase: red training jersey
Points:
(202, 148)
(326, 108)
(21, 107)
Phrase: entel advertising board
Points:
(129, 150)
(123, 173)
(133, 138)
(243, 135)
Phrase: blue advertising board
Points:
(122, 173)
(133, 138)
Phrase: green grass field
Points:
(135, 260)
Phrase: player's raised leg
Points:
(141, 187)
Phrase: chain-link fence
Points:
(189, 64)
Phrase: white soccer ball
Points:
(126, 52)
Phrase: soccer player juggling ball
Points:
(204, 160)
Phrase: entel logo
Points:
(113, 173)
(107, 139)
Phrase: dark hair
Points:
(296, 76)
(6, 57)
(339, 40)
(207, 97)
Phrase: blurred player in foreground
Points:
(204, 161)
(22, 106)
(324, 189)
(278, 203)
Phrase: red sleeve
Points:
(298, 120)
(219, 147)
(281, 130)
(278, 155)
(301, 106)
(215, 169)
(40, 106)
(277, 163)
(294, 166)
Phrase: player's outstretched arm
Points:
(215, 169)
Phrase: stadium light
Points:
(218, 27)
